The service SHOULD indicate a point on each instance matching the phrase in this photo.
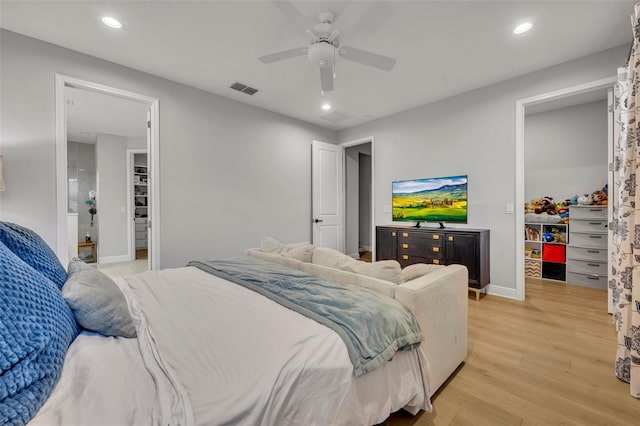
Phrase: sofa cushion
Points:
(387, 270)
(331, 258)
(300, 251)
(417, 270)
(274, 258)
(349, 278)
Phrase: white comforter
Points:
(212, 352)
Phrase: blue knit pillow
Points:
(32, 249)
(36, 328)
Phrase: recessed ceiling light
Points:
(523, 28)
(111, 22)
(326, 106)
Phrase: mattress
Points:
(212, 352)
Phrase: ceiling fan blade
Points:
(333, 36)
(285, 54)
(367, 58)
(326, 79)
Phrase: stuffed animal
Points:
(585, 200)
(557, 236)
(599, 198)
(547, 237)
(548, 205)
(574, 200)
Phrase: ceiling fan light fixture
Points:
(523, 28)
(111, 22)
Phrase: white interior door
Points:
(328, 195)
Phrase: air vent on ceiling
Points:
(243, 88)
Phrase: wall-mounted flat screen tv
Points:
(442, 199)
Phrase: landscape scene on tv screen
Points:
(431, 200)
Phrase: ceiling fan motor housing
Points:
(322, 54)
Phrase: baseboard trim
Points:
(113, 259)
(496, 290)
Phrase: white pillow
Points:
(417, 270)
(388, 270)
(331, 258)
(298, 251)
(271, 245)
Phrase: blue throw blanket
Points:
(372, 326)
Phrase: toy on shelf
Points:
(547, 237)
(599, 198)
(557, 235)
(585, 200)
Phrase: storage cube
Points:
(553, 253)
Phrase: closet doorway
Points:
(114, 122)
(359, 223)
(585, 97)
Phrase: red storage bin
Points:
(554, 253)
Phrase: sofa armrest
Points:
(439, 300)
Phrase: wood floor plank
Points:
(548, 360)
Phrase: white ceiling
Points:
(442, 48)
(90, 113)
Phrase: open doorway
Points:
(96, 128)
(359, 234)
(579, 101)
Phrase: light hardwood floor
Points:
(546, 361)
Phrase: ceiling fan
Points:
(324, 50)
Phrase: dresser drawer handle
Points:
(436, 262)
(405, 257)
(595, 236)
(450, 237)
(595, 210)
(393, 234)
(435, 236)
(595, 265)
(593, 277)
(436, 249)
(595, 223)
(405, 234)
(593, 251)
(405, 245)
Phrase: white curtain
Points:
(625, 195)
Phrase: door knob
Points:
(318, 220)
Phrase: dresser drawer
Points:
(141, 235)
(417, 246)
(583, 253)
(592, 226)
(406, 260)
(587, 280)
(589, 267)
(587, 212)
(588, 239)
(425, 239)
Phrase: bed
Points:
(207, 349)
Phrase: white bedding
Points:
(212, 352)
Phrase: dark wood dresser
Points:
(463, 246)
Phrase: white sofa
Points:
(437, 299)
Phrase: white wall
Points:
(472, 133)
(230, 173)
(365, 200)
(566, 151)
(111, 160)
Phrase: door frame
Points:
(61, 83)
(348, 144)
(521, 104)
